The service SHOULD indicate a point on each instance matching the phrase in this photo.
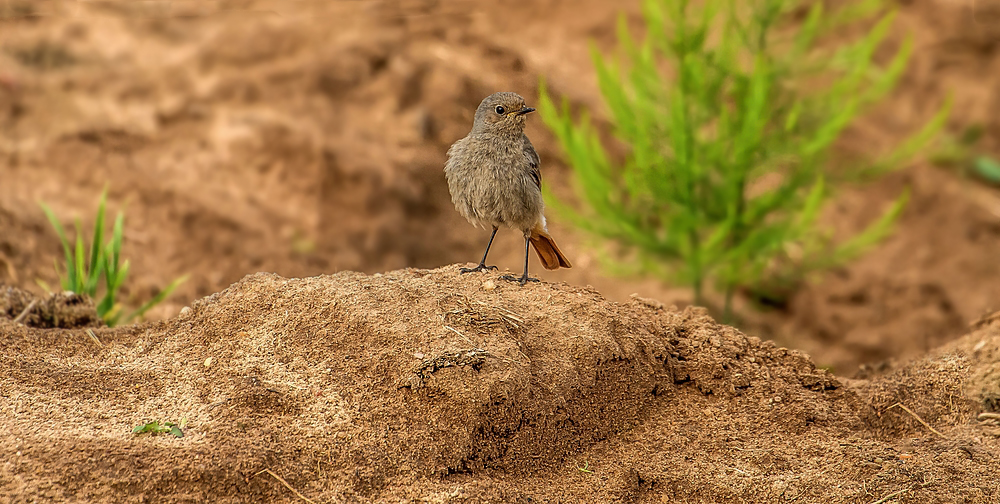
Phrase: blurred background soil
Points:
(308, 137)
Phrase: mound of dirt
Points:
(430, 386)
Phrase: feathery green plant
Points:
(86, 266)
(729, 112)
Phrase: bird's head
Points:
(502, 112)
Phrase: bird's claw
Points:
(481, 267)
(521, 279)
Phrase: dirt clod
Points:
(65, 310)
(473, 358)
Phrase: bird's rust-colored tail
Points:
(549, 253)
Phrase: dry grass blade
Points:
(505, 315)
(90, 332)
(921, 420)
(24, 313)
(509, 317)
(467, 314)
(283, 482)
(897, 493)
(510, 314)
(989, 419)
(456, 331)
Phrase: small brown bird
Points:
(494, 180)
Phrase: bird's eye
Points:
(500, 110)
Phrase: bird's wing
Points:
(533, 161)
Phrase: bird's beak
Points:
(524, 110)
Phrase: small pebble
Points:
(489, 285)
(208, 362)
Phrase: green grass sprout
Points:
(161, 428)
(88, 266)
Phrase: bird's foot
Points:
(523, 279)
(481, 267)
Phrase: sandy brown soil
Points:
(430, 386)
(309, 138)
(306, 138)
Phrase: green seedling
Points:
(88, 266)
(161, 428)
(585, 469)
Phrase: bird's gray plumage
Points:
(495, 181)
(493, 173)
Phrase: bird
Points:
(494, 179)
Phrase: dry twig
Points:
(897, 493)
(921, 420)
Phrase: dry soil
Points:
(431, 386)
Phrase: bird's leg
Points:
(482, 264)
(524, 278)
